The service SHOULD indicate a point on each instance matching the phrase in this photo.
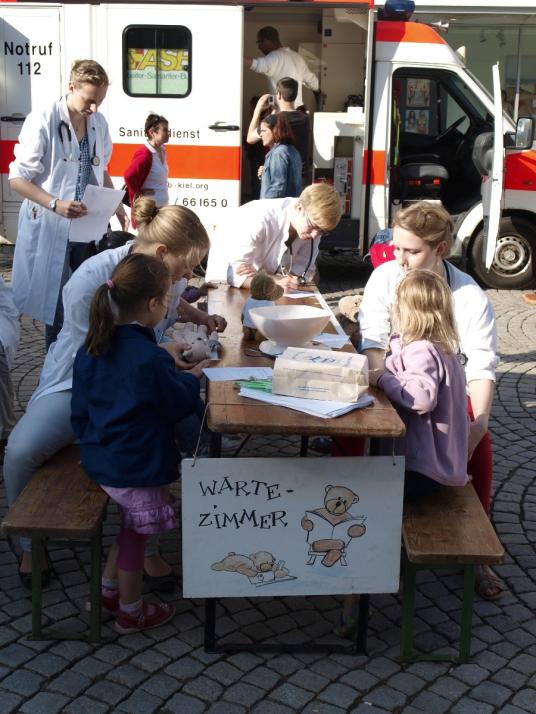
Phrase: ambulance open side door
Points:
(30, 76)
(183, 62)
(492, 187)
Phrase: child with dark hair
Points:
(127, 397)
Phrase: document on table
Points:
(101, 204)
(331, 340)
(231, 374)
(296, 294)
(314, 407)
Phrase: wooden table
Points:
(229, 413)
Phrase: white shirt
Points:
(473, 313)
(9, 323)
(157, 180)
(284, 62)
(57, 374)
(256, 233)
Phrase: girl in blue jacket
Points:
(127, 397)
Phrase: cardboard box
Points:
(320, 374)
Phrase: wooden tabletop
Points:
(230, 413)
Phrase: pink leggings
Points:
(131, 550)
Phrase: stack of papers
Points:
(230, 374)
(314, 407)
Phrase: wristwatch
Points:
(52, 204)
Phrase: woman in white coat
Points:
(61, 149)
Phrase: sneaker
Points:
(151, 615)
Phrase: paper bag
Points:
(320, 374)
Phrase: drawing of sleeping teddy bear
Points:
(253, 566)
(334, 524)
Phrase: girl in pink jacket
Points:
(424, 379)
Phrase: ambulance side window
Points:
(157, 61)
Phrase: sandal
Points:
(26, 576)
(165, 584)
(488, 585)
(347, 627)
(151, 615)
(47, 574)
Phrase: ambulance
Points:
(400, 117)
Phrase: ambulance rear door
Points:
(30, 77)
(185, 63)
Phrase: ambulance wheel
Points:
(514, 263)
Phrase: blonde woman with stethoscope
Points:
(61, 149)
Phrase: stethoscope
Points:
(460, 356)
(302, 280)
(64, 127)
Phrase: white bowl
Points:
(289, 325)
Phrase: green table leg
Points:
(37, 589)
(467, 612)
(408, 610)
(95, 588)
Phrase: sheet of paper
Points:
(332, 340)
(101, 204)
(296, 294)
(314, 407)
(228, 374)
(332, 319)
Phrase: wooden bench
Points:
(447, 530)
(61, 502)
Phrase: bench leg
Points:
(408, 611)
(95, 588)
(467, 612)
(37, 588)
(304, 445)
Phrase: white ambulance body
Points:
(423, 113)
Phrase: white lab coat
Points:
(57, 373)
(9, 323)
(256, 233)
(42, 158)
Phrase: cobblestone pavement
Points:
(167, 670)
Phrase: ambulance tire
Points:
(514, 264)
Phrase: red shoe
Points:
(109, 605)
(151, 615)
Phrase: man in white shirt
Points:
(279, 61)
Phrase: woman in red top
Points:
(147, 174)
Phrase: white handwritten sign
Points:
(291, 526)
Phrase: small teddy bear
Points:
(263, 292)
(201, 343)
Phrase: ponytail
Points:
(135, 280)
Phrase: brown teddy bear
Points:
(336, 514)
(263, 292)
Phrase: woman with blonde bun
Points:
(60, 150)
(173, 235)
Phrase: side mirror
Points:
(524, 133)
